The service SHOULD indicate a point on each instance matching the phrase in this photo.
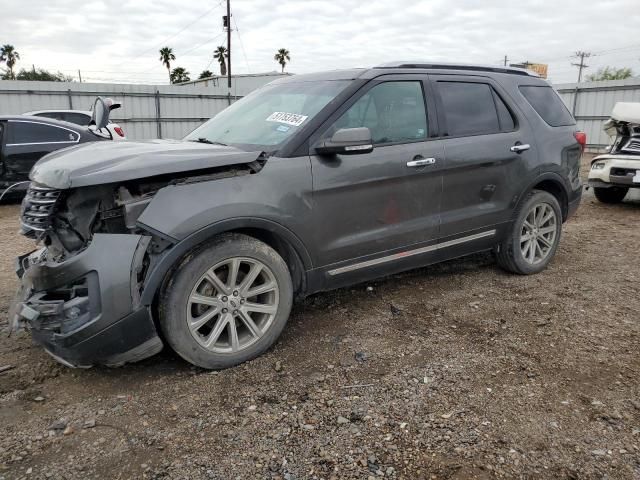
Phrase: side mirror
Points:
(347, 141)
(100, 114)
(113, 105)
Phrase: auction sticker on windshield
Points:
(289, 118)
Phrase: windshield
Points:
(267, 117)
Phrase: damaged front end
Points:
(80, 293)
(620, 166)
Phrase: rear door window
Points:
(470, 108)
(547, 103)
(21, 133)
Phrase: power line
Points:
(175, 34)
(201, 44)
(242, 45)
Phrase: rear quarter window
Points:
(547, 103)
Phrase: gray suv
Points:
(310, 183)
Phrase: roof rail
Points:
(458, 66)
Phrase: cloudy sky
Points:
(116, 40)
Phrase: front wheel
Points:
(611, 194)
(534, 236)
(227, 302)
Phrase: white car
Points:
(614, 173)
(79, 117)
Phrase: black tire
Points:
(509, 254)
(611, 194)
(175, 300)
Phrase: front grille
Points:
(38, 208)
(633, 145)
(622, 172)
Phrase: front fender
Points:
(176, 252)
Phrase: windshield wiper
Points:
(206, 140)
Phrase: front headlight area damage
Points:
(69, 219)
(80, 292)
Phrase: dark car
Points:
(310, 183)
(26, 139)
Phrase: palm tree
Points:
(282, 57)
(179, 75)
(166, 55)
(9, 56)
(220, 54)
(206, 74)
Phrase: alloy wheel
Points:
(232, 305)
(538, 233)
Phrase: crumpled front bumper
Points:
(86, 310)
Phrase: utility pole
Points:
(229, 47)
(79, 76)
(581, 55)
(506, 60)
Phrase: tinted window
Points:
(393, 111)
(77, 118)
(469, 108)
(54, 115)
(547, 103)
(28, 132)
(72, 117)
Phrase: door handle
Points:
(421, 162)
(519, 148)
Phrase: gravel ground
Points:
(455, 371)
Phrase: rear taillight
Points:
(581, 137)
(119, 131)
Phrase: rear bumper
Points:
(86, 310)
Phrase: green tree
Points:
(220, 54)
(10, 56)
(282, 57)
(179, 75)
(206, 74)
(42, 75)
(166, 56)
(610, 73)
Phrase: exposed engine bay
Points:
(66, 220)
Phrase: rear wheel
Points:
(611, 194)
(227, 302)
(534, 236)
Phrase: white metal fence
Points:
(148, 111)
(591, 104)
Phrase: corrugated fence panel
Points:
(594, 103)
(181, 108)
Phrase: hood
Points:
(108, 162)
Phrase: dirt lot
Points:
(455, 371)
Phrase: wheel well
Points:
(286, 251)
(555, 189)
